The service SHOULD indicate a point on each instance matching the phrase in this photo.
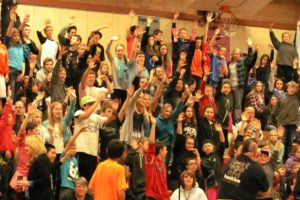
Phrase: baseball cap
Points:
(86, 99)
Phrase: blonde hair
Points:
(51, 119)
(36, 143)
(37, 112)
(292, 84)
(15, 30)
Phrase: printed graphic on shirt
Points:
(234, 173)
(73, 172)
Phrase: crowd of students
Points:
(153, 120)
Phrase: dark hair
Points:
(115, 149)
(157, 31)
(30, 126)
(98, 33)
(49, 147)
(158, 146)
(71, 28)
(264, 55)
(132, 28)
(237, 144)
(249, 145)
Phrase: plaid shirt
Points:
(241, 67)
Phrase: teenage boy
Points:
(135, 162)
(108, 181)
(155, 168)
(286, 113)
(87, 143)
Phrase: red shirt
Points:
(3, 60)
(155, 174)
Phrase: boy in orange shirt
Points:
(108, 180)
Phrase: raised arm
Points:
(275, 41)
(74, 137)
(157, 95)
(121, 114)
(152, 131)
(146, 34)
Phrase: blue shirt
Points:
(69, 172)
(15, 55)
(215, 64)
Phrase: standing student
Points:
(286, 111)
(108, 181)
(155, 168)
(87, 143)
(286, 53)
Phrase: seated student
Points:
(279, 184)
(110, 175)
(188, 188)
(81, 190)
(291, 181)
(294, 157)
(192, 165)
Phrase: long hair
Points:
(51, 119)
(36, 143)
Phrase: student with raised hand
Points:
(58, 122)
(108, 181)
(136, 118)
(69, 169)
(49, 46)
(27, 128)
(149, 46)
(71, 30)
(96, 49)
(16, 60)
(286, 53)
(286, 112)
(58, 86)
(237, 68)
(8, 8)
(87, 143)
(130, 32)
(156, 180)
(165, 124)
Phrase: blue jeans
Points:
(13, 75)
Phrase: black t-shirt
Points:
(138, 120)
(107, 133)
(242, 179)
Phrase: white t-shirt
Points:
(58, 141)
(94, 91)
(87, 142)
(233, 74)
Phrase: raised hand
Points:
(131, 14)
(191, 100)
(244, 117)
(40, 96)
(280, 131)
(47, 22)
(249, 42)
(12, 15)
(149, 20)
(71, 93)
(256, 47)
(26, 19)
(175, 16)
(72, 20)
(114, 38)
(184, 95)
(180, 117)
(271, 46)
(218, 127)
(92, 63)
(257, 124)
(199, 95)
(209, 17)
